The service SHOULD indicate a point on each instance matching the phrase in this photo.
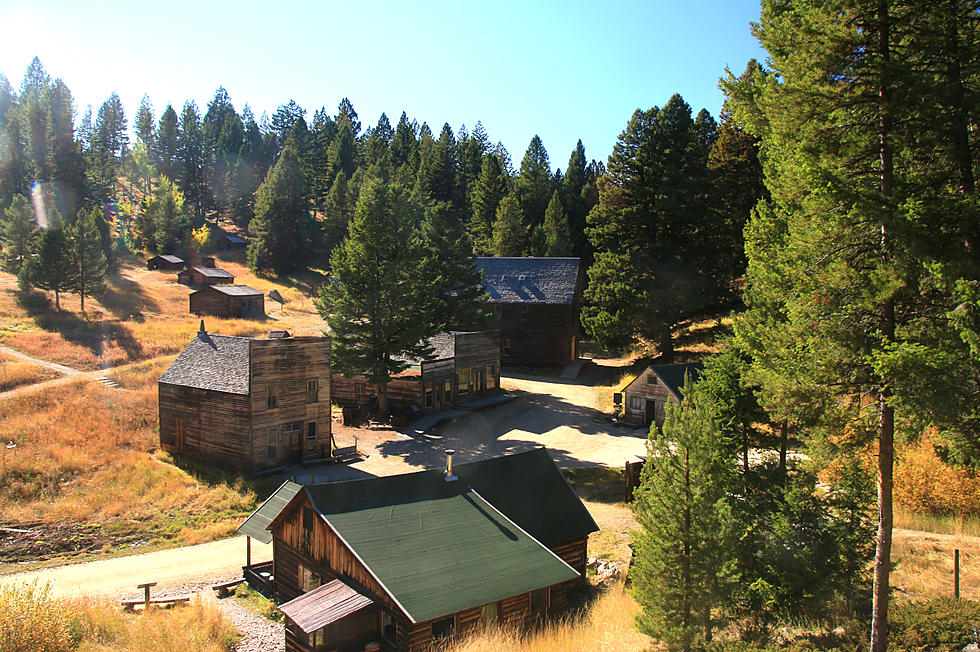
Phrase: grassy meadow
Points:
(15, 372)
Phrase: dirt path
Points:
(60, 368)
(259, 634)
(174, 570)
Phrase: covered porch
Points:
(336, 617)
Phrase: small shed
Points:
(165, 262)
(647, 395)
(228, 241)
(205, 276)
(235, 301)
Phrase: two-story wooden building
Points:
(646, 396)
(464, 365)
(409, 560)
(248, 403)
(535, 303)
(234, 301)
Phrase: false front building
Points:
(248, 403)
(535, 303)
(411, 559)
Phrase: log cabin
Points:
(228, 241)
(413, 560)
(248, 403)
(197, 276)
(463, 365)
(535, 303)
(166, 263)
(646, 396)
(232, 301)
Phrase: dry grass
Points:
(31, 620)
(606, 627)
(15, 372)
(924, 568)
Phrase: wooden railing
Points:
(259, 577)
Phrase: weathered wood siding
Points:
(655, 391)
(208, 301)
(214, 425)
(537, 334)
(287, 365)
(194, 277)
(573, 552)
(403, 392)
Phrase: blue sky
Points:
(563, 70)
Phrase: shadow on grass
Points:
(208, 475)
(126, 300)
(598, 484)
(91, 334)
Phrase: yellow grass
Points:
(31, 620)
(924, 568)
(606, 627)
(16, 373)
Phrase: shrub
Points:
(925, 483)
(944, 624)
(31, 620)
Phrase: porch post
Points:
(248, 551)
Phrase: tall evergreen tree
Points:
(282, 122)
(577, 205)
(490, 188)
(559, 236)
(510, 231)
(223, 133)
(382, 305)
(85, 254)
(280, 233)
(18, 233)
(163, 223)
(144, 122)
(13, 171)
(457, 279)
(337, 212)
(191, 160)
(533, 185)
(51, 268)
(167, 142)
(438, 175)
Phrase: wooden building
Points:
(236, 301)
(248, 403)
(410, 560)
(197, 276)
(645, 397)
(464, 365)
(229, 242)
(166, 263)
(535, 303)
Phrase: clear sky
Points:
(564, 69)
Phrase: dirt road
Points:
(176, 570)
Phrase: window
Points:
(448, 390)
(523, 313)
(387, 627)
(308, 580)
(636, 402)
(506, 346)
(651, 379)
(308, 519)
(311, 430)
(491, 376)
(270, 441)
(312, 390)
(272, 396)
(428, 397)
(490, 614)
(444, 628)
(359, 391)
(658, 409)
(462, 382)
(539, 601)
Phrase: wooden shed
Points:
(228, 241)
(464, 365)
(411, 559)
(166, 263)
(233, 301)
(535, 303)
(646, 396)
(196, 276)
(248, 403)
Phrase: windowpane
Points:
(272, 396)
(444, 628)
(311, 430)
(636, 402)
(271, 441)
(312, 390)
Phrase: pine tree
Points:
(282, 227)
(51, 269)
(163, 222)
(509, 229)
(577, 205)
(191, 159)
(282, 123)
(683, 553)
(533, 185)
(382, 304)
(438, 176)
(86, 257)
(457, 278)
(18, 233)
(145, 128)
(559, 236)
(165, 147)
(490, 188)
(337, 211)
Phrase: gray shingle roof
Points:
(235, 290)
(214, 272)
(215, 362)
(546, 280)
(169, 258)
(443, 346)
(234, 239)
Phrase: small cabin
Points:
(231, 301)
(248, 403)
(196, 276)
(645, 397)
(166, 263)
(464, 365)
(410, 560)
(535, 303)
(230, 242)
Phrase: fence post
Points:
(956, 573)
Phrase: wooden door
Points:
(181, 435)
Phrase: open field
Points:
(17, 373)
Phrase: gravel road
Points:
(260, 635)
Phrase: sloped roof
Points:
(213, 272)
(324, 605)
(169, 258)
(546, 280)
(215, 362)
(234, 239)
(257, 524)
(233, 290)
(443, 346)
(672, 375)
(437, 547)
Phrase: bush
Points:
(944, 624)
(925, 483)
(31, 620)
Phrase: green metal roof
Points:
(674, 375)
(256, 525)
(439, 547)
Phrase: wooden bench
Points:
(224, 588)
(130, 605)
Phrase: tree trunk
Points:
(382, 399)
(783, 448)
(666, 344)
(57, 300)
(707, 624)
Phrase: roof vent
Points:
(201, 329)
(522, 278)
(278, 335)
(448, 473)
